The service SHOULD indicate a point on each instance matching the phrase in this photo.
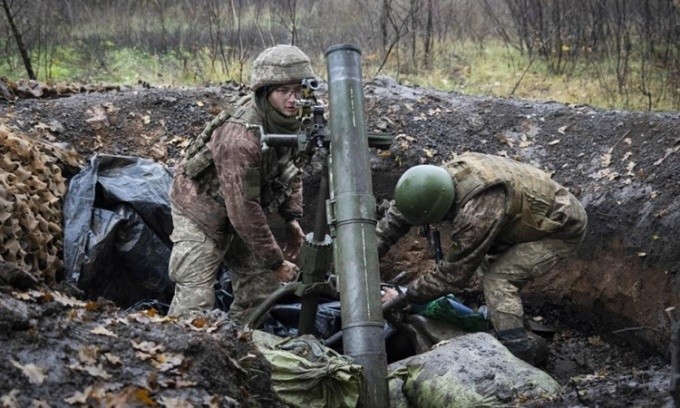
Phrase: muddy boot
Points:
(525, 345)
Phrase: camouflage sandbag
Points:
(412, 386)
(473, 370)
(307, 374)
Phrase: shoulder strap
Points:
(202, 138)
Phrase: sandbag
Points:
(473, 370)
(306, 374)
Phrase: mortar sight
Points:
(310, 83)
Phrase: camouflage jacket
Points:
(236, 192)
(485, 221)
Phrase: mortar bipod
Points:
(298, 288)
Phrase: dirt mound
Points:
(117, 358)
(622, 165)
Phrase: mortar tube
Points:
(352, 218)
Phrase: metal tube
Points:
(353, 223)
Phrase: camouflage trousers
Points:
(195, 261)
(502, 278)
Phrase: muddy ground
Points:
(63, 350)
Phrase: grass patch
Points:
(491, 70)
(498, 71)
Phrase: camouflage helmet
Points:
(424, 194)
(280, 64)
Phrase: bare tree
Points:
(427, 47)
(288, 15)
(215, 23)
(11, 12)
(385, 11)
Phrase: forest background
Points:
(613, 54)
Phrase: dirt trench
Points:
(622, 165)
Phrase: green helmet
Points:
(280, 64)
(424, 194)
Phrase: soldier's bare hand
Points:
(294, 239)
(286, 272)
(389, 295)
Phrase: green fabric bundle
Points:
(307, 374)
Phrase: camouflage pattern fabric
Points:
(480, 241)
(231, 214)
(506, 275)
(280, 64)
(194, 263)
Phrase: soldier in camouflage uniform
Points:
(222, 213)
(510, 223)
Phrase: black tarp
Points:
(117, 224)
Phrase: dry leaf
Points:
(97, 371)
(606, 159)
(25, 296)
(88, 354)
(130, 396)
(199, 322)
(113, 359)
(553, 142)
(148, 347)
(103, 331)
(79, 397)
(562, 129)
(35, 374)
(167, 361)
(67, 300)
(175, 402)
(10, 400)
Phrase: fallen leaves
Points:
(67, 300)
(101, 330)
(97, 371)
(35, 374)
(668, 152)
(154, 353)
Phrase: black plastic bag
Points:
(117, 226)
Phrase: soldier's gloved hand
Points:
(294, 239)
(286, 272)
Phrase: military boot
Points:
(525, 345)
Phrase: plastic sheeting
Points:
(117, 226)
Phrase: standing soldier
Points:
(220, 214)
(510, 222)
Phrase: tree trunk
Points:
(25, 54)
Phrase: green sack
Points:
(307, 374)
